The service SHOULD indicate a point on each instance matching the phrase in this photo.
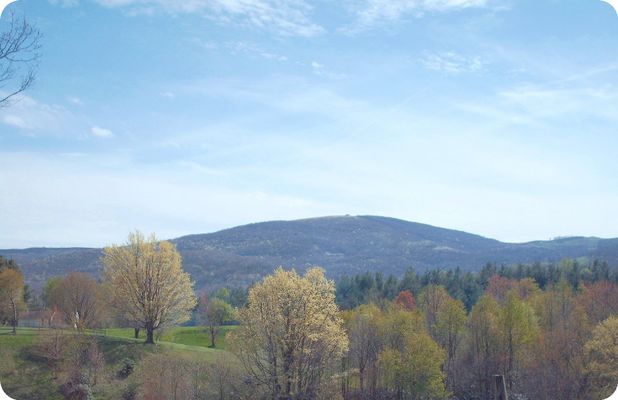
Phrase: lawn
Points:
(21, 377)
(26, 378)
(198, 336)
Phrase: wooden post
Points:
(500, 388)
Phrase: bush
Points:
(130, 392)
(127, 366)
(79, 391)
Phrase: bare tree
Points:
(19, 56)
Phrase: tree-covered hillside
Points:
(343, 245)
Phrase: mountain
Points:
(342, 245)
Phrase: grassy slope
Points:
(24, 378)
(198, 336)
(20, 377)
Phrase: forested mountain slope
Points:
(342, 245)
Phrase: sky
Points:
(496, 117)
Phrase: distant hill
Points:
(342, 245)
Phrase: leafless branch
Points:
(19, 56)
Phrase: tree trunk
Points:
(500, 388)
(149, 335)
(213, 335)
(14, 317)
(136, 333)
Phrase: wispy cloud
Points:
(452, 63)
(110, 202)
(243, 47)
(75, 100)
(65, 3)
(321, 70)
(283, 17)
(38, 118)
(371, 12)
(101, 132)
(15, 121)
(553, 106)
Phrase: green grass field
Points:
(197, 336)
(23, 377)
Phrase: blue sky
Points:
(496, 117)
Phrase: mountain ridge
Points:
(343, 245)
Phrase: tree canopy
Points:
(147, 284)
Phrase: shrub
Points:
(127, 366)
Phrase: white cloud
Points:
(75, 100)
(110, 202)
(316, 66)
(510, 188)
(538, 104)
(371, 12)
(321, 70)
(15, 121)
(452, 63)
(101, 132)
(38, 118)
(283, 17)
(241, 47)
(65, 3)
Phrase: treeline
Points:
(14, 293)
(550, 330)
(468, 286)
(557, 343)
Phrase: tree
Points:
(483, 324)
(19, 55)
(50, 347)
(147, 284)
(50, 291)
(7, 264)
(83, 361)
(214, 312)
(11, 295)
(364, 331)
(291, 337)
(518, 326)
(406, 300)
(410, 360)
(557, 355)
(431, 301)
(79, 298)
(602, 358)
(450, 327)
(599, 300)
(414, 372)
(498, 286)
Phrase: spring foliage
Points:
(291, 336)
(147, 284)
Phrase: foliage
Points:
(147, 284)
(214, 313)
(127, 366)
(291, 336)
(405, 299)
(78, 297)
(414, 370)
(391, 355)
(469, 286)
(11, 295)
(602, 358)
(450, 331)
